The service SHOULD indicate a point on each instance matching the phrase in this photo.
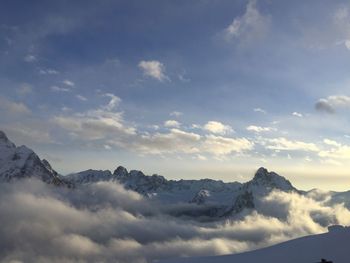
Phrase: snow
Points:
(332, 246)
(20, 162)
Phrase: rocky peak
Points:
(5, 142)
(268, 179)
(120, 171)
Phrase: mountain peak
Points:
(121, 171)
(4, 141)
(271, 179)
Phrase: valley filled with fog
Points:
(103, 222)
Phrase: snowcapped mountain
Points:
(332, 246)
(22, 162)
(261, 185)
(213, 198)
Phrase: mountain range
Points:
(215, 198)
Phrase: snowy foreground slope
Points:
(333, 246)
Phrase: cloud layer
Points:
(104, 223)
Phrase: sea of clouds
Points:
(103, 222)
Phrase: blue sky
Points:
(187, 89)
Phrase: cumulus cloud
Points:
(282, 143)
(331, 103)
(335, 151)
(172, 123)
(219, 145)
(297, 114)
(103, 222)
(176, 141)
(258, 129)
(153, 69)
(250, 26)
(217, 127)
(106, 125)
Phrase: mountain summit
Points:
(22, 162)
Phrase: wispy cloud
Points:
(248, 27)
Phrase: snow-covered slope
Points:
(22, 162)
(332, 246)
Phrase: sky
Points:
(185, 89)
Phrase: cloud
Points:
(297, 114)
(30, 58)
(172, 123)
(153, 69)
(103, 222)
(259, 110)
(176, 114)
(68, 83)
(48, 72)
(331, 103)
(113, 103)
(101, 123)
(259, 129)
(219, 145)
(14, 108)
(250, 26)
(217, 127)
(59, 89)
(282, 143)
(81, 97)
(176, 141)
(24, 89)
(337, 151)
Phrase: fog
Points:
(103, 222)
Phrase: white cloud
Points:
(331, 142)
(217, 127)
(337, 151)
(13, 108)
(258, 129)
(59, 89)
(297, 114)
(172, 123)
(81, 97)
(219, 145)
(250, 26)
(30, 58)
(176, 141)
(68, 83)
(101, 123)
(176, 114)
(48, 72)
(113, 102)
(285, 144)
(260, 110)
(347, 44)
(153, 69)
